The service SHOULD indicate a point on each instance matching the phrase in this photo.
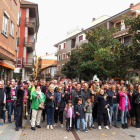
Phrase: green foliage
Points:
(104, 55)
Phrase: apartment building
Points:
(28, 29)
(44, 62)
(66, 46)
(9, 24)
(49, 72)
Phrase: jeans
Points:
(78, 123)
(115, 109)
(50, 115)
(88, 117)
(124, 115)
(10, 108)
(18, 122)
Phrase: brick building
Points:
(9, 24)
(28, 29)
(66, 46)
(45, 61)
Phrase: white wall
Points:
(53, 71)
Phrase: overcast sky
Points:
(59, 16)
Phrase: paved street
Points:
(7, 132)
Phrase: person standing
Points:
(61, 106)
(51, 105)
(131, 93)
(11, 100)
(124, 106)
(102, 109)
(113, 98)
(137, 106)
(2, 99)
(19, 107)
(37, 97)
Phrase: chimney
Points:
(131, 5)
(93, 19)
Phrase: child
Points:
(61, 107)
(80, 112)
(69, 115)
(88, 114)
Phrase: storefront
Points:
(6, 71)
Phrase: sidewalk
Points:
(7, 132)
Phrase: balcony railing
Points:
(28, 41)
(30, 22)
(28, 62)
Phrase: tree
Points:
(104, 55)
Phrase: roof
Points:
(95, 25)
(27, 2)
(53, 65)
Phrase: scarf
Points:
(59, 97)
(40, 94)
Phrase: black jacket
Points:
(80, 109)
(50, 101)
(8, 92)
(20, 97)
(136, 97)
(112, 100)
(101, 104)
(131, 98)
(62, 104)
(85, 95)
(75, 95)
(1, 96)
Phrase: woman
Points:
(37, 97)
(102, 109)
(51, 105)
(131, 93)
(137, 107)
(61, 106)
(124, 106)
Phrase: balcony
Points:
(28, 63)
(31, 24)
(29, 44)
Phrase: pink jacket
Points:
(123, 102)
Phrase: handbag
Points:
(128, 114)
(41, 105)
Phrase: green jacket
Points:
(31, 89)
(88, 108)
(35, 101)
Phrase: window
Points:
(80, 37)
(64, 45)
(119, 25)
(5, 25)
(59, 47)
(12, 29)
(58, 68)
(59, 57)
(127, 40)
(63, 66)
(64, 56)
(68, 53)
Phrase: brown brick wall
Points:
(12, 9)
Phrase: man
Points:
(77, 93)
(11, 99)
(85, 93)
(2, 99)
(113, 99)
(131, 93)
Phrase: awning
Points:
(7, 65)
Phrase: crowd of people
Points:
(74, 102)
